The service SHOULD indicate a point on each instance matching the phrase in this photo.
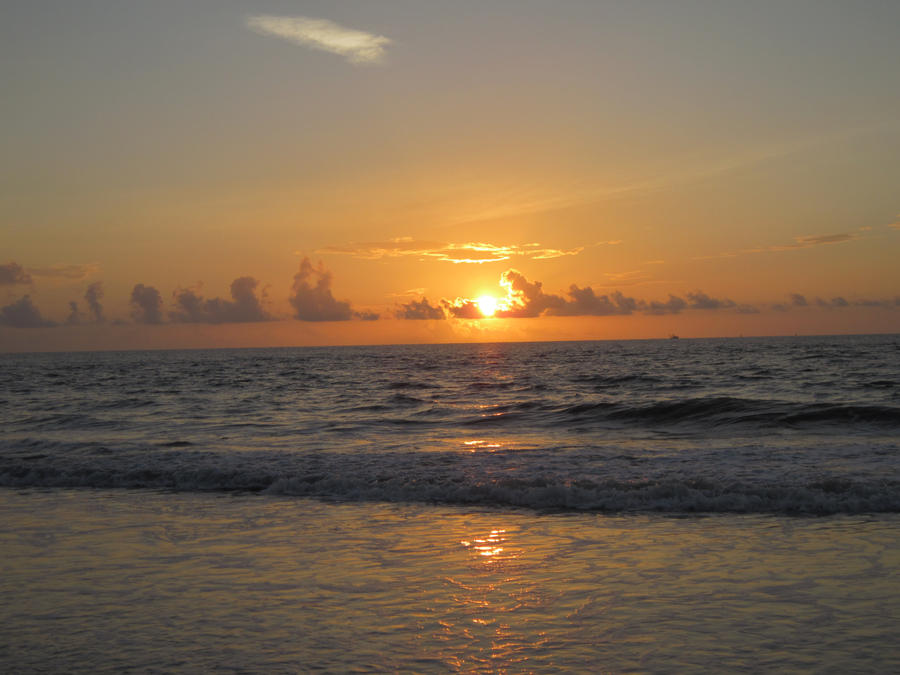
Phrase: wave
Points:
(460, 479)
(724, 410)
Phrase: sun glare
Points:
(487, 305)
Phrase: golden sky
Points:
(216, 173)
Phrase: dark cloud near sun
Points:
(526, 298)
(12, 273)
(585, 302)
(312, 299)
(419, 310)
(146, 304)
(244, 307)
(23, 314)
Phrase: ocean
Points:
(635, 506)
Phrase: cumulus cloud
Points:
(244, 306)
(419, 310)
(358, 47)
(462, 308)
(12, 273)
(673, 305)
(474, 252)
(584, 302)
(700, 300)
(528, 299)
(75, 316)
(146, 304)
(23, 314)
(525, 298)
(312, 300)
(92, 297)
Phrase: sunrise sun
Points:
(487, 305)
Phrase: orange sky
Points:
(250, 174)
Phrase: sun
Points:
(487, 305)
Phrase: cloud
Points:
(833, 303)
(74, 318)
(419, 310)
(816, 240)
(525, 298)
(23, 314)
(12, 273)
(808, 241)
(700, 300)
(798, 300)
(673, 305)
(244, 306)
(146, 304)
(528, 299)
(462, 308)
(76, 272)
(584, 302)
(312, 299)
(92, 296)
(470, 252)
(358, 47)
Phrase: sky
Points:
(215, 173)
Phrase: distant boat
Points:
(673, 337)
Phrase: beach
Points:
(107, 581)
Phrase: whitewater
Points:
(766, 425)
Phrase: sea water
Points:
(594, 506)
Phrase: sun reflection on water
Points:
(489, 546)
(493, 602)
(481, 444)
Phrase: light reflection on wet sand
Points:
(117, 580)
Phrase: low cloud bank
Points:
(23, 314)
(12, 273)
(312, 299)
(244, 306)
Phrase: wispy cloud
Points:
(810, 241)
(66, 271)
(469, 252)
(357, 46)
(807, 241)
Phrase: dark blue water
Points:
(767, 425)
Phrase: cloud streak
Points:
(356, 46)
(470, 252)
(65, 271)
